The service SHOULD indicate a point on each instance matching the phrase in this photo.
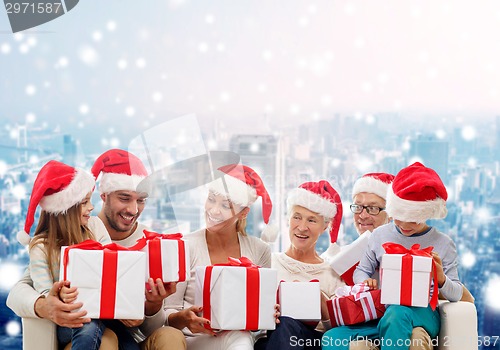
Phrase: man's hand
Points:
(52, 308)
(189, 318)
(155, 293)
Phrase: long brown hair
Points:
(57, 230)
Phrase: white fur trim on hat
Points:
(370, 185)
(73, 194)
(270, 233)
(111, 182)
(311, 201)
(237, 191)
(414, 211)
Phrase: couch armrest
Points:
(458, 326)
(39, 334)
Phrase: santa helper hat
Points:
(319, 197)
(121, 171)
(57, 188)
(243, 186)
(376, 183)
(417, 194)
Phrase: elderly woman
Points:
(226, 208)
(312, 208)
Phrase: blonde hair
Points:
(57, 230)
(241, 225)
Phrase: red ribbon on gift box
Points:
(154, 254)
(109, 272)
(407, 268)
(339, 308)
(252, 291)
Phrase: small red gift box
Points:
(356, 304)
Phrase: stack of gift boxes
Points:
(238, 295)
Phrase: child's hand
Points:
(371, 282)
(67, 293)
(439, 268)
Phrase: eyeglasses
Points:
(358, 209)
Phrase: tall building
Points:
(260, 152)
(433, 152)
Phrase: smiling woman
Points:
(312, 208)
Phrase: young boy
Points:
(416, 195)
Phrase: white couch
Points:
(458, 329)
(458, 326)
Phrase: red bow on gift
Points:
(406, 269)
(150, 235)
(243, 261)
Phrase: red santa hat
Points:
(319, 197)
(242, 185)
(57, 188)
(376, 183)
(417, 194)
(121, 170)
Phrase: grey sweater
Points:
(443, 245)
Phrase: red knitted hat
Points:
(121, 170)
(376, 183)
(319, 197)
(417, 194)
(57, 188)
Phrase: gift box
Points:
(237, 296)
(110, 279)
(344, 263)
(167, 256)
(405, 276)
(353, 305)
(309, 295)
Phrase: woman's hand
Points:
(67, 293)
(189, 318)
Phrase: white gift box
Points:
(300, 300)
(350, 255)
(167, 259)
(110, 283)
(237, 301)
(411, 287)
